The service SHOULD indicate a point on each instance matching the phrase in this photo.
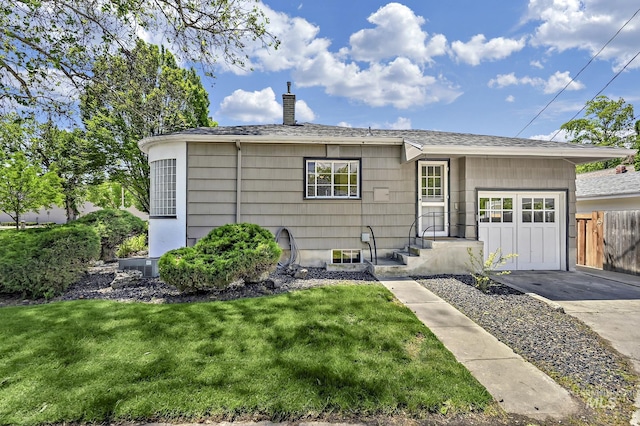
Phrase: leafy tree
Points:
(138, 95)
(47, 47)
(16, 133)
(23, 189)
(109, 195)
(606, 123)
(68, 154)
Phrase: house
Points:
(339, 190)
(612, 189)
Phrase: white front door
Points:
(526, 223)
(433, 199)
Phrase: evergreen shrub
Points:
(227, 254)
(113, 227)
(43, 262)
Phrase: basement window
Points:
(332, 179)
(163, 188)
(346, 256)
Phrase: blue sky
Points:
(462, 66)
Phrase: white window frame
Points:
(162, 196)
(311, 170)
(426, 203)
(346, 256)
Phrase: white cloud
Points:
(554, 83)
(557, 135)
(399, 83)
(344, 124)
(536, 64)
(260, 106)
(396, 51)
(510, 98)
(586, 25)
(398, 32)
(402, 123)
(478, 49)
(559, 80)
(303, 112)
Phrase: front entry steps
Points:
(428, 257)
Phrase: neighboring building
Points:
(612, 189)
(59, 215)
(331, 186)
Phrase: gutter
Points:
(146, 143)
(238, 183)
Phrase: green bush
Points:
(43, 262)
(134, 244)
(113, 227)
(229, 253)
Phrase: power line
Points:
(579, 72)
(601, 90)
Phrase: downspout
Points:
(238, 183)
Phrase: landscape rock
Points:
(301, 274)
(128, 278)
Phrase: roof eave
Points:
(146, 143)
(577, 155)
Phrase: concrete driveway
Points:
(607, 302)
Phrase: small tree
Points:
(110, 195)
(483, 271)
(606, 123)
(23, 189)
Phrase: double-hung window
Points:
(163, 188)
(332, 178)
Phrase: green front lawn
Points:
(342, 350)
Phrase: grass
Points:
(340, 350)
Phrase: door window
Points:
(538, 210)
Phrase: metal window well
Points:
(148, 266)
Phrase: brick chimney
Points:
(289, 107)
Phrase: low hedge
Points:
(227, 254)
(43, 262)
(113, 227)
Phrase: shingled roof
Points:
(594, 185)
(422, 140)
(420, 137)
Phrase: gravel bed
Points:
(558, 343)
(96, 284)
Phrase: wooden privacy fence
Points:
(609, 240)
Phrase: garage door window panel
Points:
(496, 209)
(538, 210)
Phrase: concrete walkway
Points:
(518, 386)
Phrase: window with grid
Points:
(432, 182)
(346, 256)
(163, 188)
(496, 209)
(540, 210)
(332, 179)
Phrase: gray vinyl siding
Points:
(273, 194)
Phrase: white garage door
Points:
(530, 224)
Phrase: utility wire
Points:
(576, 76)
(601, 90)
